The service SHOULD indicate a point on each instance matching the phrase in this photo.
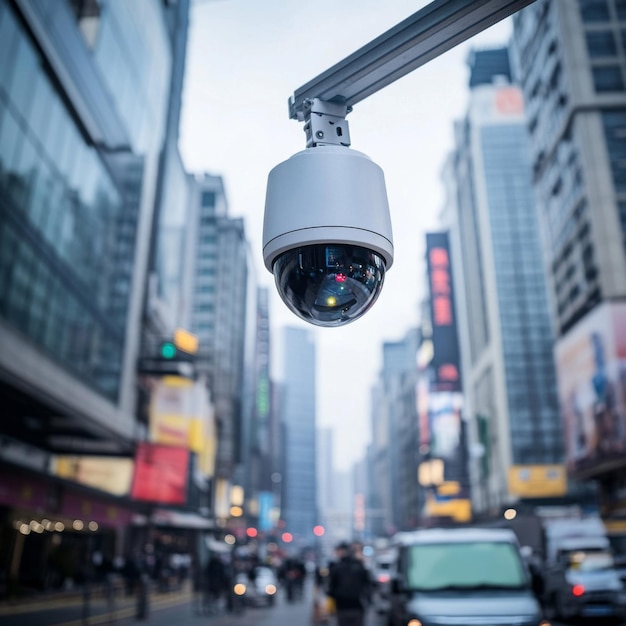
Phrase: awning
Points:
(180, 519)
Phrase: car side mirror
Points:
(397, 586)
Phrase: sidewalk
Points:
(74, 609)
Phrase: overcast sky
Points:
(245, 58)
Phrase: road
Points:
(169, 609)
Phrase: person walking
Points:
(349, 586)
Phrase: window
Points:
(594, 11)
(608, 78)
(601, 44)
(436, 566)
(207, 199)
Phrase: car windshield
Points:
(483, 564)
(591, 561)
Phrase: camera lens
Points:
(329, 284)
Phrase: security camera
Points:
(327, 232)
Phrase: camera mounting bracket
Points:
(325, 123)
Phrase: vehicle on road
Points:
(382, 570)
(262, 588)
(461, 576)
(581, 579)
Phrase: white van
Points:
(460, 577)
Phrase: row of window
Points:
(37, 301)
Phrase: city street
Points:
(175, 608)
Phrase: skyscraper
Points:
(82, 122)
(298, 413)
(218, 310)
(85, 93)
(571, 58)
(509, 374)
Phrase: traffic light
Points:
(174, 356)
(168, 350)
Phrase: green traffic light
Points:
(168, 350)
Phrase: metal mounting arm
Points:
(425, 35)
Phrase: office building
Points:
(84, 97)
(391, 501)
(508, 375)
(217, 311)
(298, 414)
(571, 61)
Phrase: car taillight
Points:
(383, 578)
(578, 590)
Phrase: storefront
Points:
(54, 532)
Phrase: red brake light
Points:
(578, 590)
(383, 578)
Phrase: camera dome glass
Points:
(329, 284)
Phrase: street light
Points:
(327, 232)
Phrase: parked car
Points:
(461, 576)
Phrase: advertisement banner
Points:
(181, 415)
(104, 473)
(446, 361)
(266, 502)
(591, 371)
(160, 474)
(537, 481)
(444, 410)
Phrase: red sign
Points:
(446, 359)
(160, 474)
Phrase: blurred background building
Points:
(572, 68)
(299, 507)
(509, 376)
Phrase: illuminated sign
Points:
(445, 361)
(160, 474)
(537, 481)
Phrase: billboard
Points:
(104, 473)
(160, 474)
(591, 371)
(445, 362)
(444, 411)
(537, 481)
(181, 416)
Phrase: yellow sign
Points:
(430, 473)
(537, 481)
(449, 488)
(186, 341)
(108, 474)
(181, 414)
(459, 509)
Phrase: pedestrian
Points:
(214, 584)
(349, 586)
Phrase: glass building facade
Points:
(298, 413)
(524, 318)
(83, 104)
(59, 215)
(217, 315)
(570, 57)
(504, 320)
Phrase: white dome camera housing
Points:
(327, 233)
